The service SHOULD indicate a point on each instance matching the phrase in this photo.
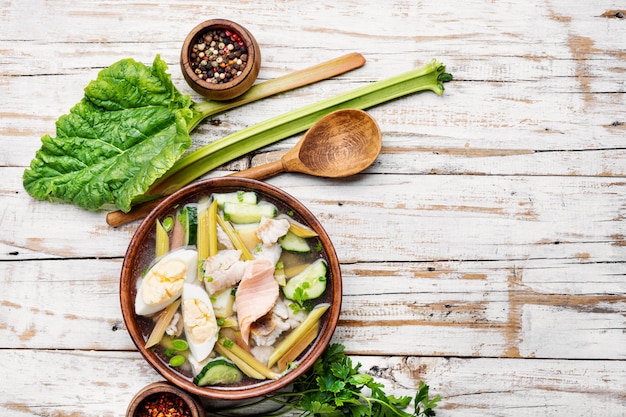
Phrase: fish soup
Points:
(236, 291)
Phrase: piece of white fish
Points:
(223, 270)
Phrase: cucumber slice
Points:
(293, 243)
(249, 213)
(308, 284)
(218, 371)
(246, 197)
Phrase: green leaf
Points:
(424, 406)
(342, 369)
(328, 383)
(360, 410)
(361, 379)
(317, 407)
(399, 402)
(126, 132)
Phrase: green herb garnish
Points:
(168, 223)
(334, 386)
(177, 360)
(180, 345)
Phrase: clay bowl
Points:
(140, 254)
(238, 84)
(165, 392)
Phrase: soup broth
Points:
(248, 276)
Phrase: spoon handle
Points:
(261, 172)
(119, 218)
(306, 76)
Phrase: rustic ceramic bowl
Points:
(238, 85)
(157, 390)
(141, 252)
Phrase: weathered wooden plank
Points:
(422, 133)
(85, 20)
(491, 217)
(520, 308)
(103, 383)
(382, 218)
(512, 309)
(63, 305)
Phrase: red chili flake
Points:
(163, 405)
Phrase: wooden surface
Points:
(484, 252)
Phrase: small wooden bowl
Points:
(237, 85)
(154, 391)
(141, 252)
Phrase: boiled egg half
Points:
(199, 322)
(163, 283)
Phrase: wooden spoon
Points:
(340, 144)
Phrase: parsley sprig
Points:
(335, 387)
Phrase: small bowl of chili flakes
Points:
(220, 59)
(161, 399)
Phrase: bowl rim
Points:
(196, 409)
(250, 70)
(128, 280)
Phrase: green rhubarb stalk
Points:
(430, 77)
(195, 164)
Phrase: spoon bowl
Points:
(340, 144)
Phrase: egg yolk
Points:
(163, 282)
(199, 323)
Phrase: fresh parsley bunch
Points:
(334, 387)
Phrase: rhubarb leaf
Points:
(126, 132)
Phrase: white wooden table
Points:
(483, 253)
